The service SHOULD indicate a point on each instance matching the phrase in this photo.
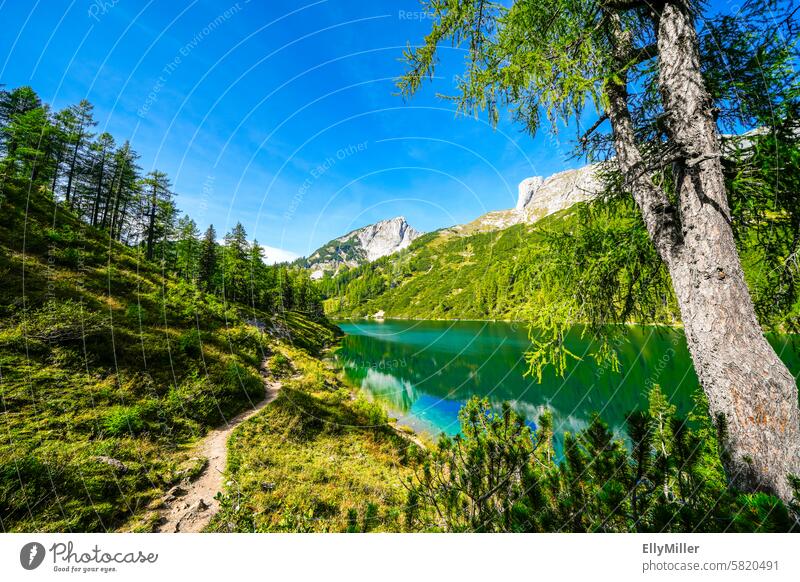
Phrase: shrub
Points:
(63, 322)
(135, 313)
(280, 365)
(238, 377)
(124, 420)
(189, 343)
(194, 399)
(502, 476)
(370, 413)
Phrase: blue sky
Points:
(281, 115)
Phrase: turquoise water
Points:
(424, 371)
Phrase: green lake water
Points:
(424, 371)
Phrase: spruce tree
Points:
(77, 127)
(207, 267)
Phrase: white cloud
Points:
(274, 255)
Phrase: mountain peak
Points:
(362, 245)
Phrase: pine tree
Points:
(187, 249)
(29, 134)
(126, 191)
(236, 271)
(12, 103)
(61, 121)
(102, 150)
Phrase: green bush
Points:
(194, 399)
(124, 420)
(500, 475)
(280, 365)
(189, 343)
(135, 313)
(370, 413)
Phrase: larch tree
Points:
(236, 268)
(12, 103)
(157, 193)
(639, 65)
(187, 248)
(125, 190)
(78, 127)
(103, 151)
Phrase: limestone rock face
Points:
(386, 237)
(527, 190)
(539, 197)
(559, 191)
(362, 245)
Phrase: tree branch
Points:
(593, 128)
(623, 4)
(657, 212)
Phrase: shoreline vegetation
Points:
(675, 325)
(284, 463)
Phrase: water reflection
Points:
(425, 370)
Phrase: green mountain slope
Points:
(447, 275)
(586, 250)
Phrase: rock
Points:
(541, 197)
(115, 464)
(362, 245)
(176, 491)
(526, 191)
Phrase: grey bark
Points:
(743, 378)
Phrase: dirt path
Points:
(189, 507)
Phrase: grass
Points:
(317, 459)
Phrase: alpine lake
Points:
(423, 372)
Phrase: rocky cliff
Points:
(539, 197)
(361, 246)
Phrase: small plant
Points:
(280, 365)
(63, 322)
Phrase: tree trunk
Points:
(109, 200)
(745, 382)
(741, 374)
(55, 173)
(98, 191)
(121, 221)
(151, 227)
(72, 165)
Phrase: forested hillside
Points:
(123, 335)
